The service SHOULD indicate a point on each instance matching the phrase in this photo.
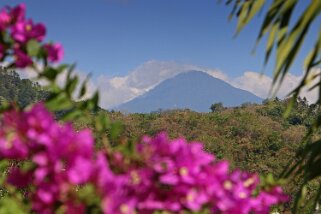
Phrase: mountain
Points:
(194, 90)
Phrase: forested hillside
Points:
(22, 91)
(254, 137)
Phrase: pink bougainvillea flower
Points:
(80, 170)
(17, 13)
(75, 208)
(22, 60)
(13, 148)
(12, 145)
(25, 30)
(112, 188)
(4, 19)
(265, 200)
(182, 175)
(63, 158)
(55, 52)
(18, 178)
(10, 16)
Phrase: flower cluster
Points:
(61, 158)
(178, 176)
(21, 38)
(170, 176)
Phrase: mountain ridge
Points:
(195, 90)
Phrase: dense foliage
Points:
(21, 91)
(253, 137)
(285, 28)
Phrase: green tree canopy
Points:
(22, 91)
(216, 107)
(287, 41)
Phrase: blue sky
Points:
(130, 46)
(114, 36)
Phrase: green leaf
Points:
(3, 164)
(11, 206)
(71, 115)
(92, 103)
(59, 102)
(270, 42)
(242, 16)
(33, 47)
(95, 100)
(88, 194)
(116, 130)
(102, 123)
(27, 166)
(50, 73)
(83, 88)
(71, 85)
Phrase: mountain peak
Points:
(193, 74)
(195, 90)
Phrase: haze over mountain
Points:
(194, 90)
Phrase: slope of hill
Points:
(254, 137)
(194, 90)
(22, 91)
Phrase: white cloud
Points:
(260, 85)
(119, 89)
